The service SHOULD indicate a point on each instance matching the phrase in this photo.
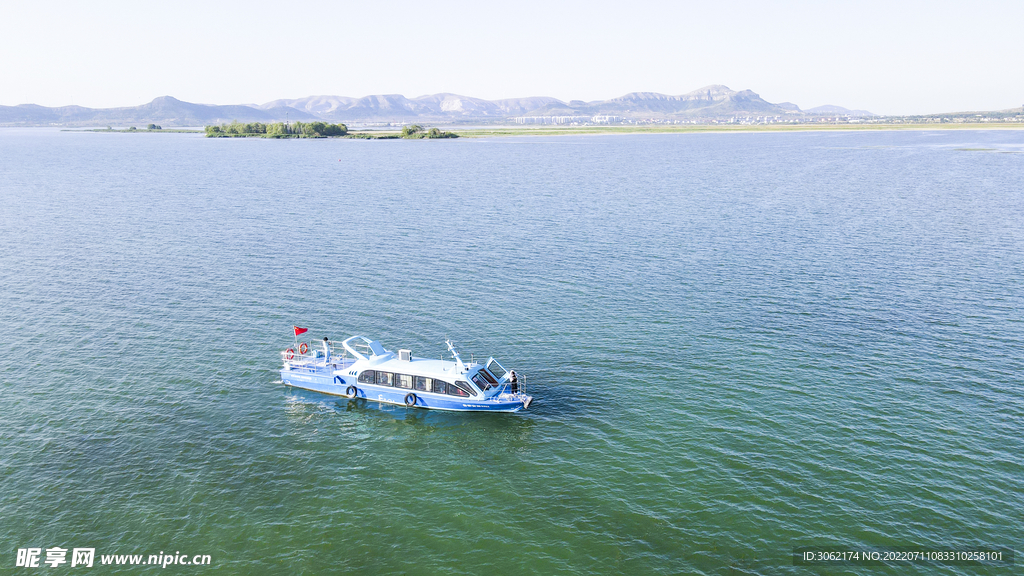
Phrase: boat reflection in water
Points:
(306, 409)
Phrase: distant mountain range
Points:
(711, 102)
(162, 110)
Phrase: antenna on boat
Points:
(458, 361)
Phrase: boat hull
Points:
(326, 383)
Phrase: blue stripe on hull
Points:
(325, 385)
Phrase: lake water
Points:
(738, 344)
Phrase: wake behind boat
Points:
(365, 369)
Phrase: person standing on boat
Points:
(327, 351)
(513, 380)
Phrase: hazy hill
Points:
(520, 106)
(710, 102)
(323, 106)
(715, 101)
(707, 101)
(164, 110)
(830, 110)
(398, 107)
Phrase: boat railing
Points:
(314, 351)
(514, 389)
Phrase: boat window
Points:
(480, 382)
(439, 386)
(404, 380)
(368, 377)
(385, 379)
(490, 379)
(420, 383)
(494, 368)
(460, 388)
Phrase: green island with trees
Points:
(416, 131)
(276, 130)
(315, 130)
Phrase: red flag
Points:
(300, 330)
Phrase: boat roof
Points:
(419, 366)
(386, 361)
(363, 348)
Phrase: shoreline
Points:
(510, 131)
(602, 130)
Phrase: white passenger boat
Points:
(365, 369)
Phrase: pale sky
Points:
(889, 57)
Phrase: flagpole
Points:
(296, 331)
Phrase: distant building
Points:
(550, 119)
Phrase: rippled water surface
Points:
(738, 344)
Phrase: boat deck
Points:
(318, 366)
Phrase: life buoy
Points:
(289, 354)
(339, 380)
(303, 348)
(351, 391)
(410, 399)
